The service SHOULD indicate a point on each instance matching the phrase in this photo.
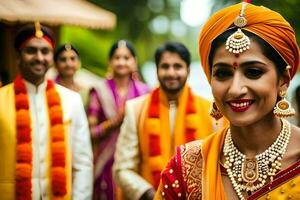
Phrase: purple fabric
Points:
(57, 79)
(104, 186)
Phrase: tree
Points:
(134, 19)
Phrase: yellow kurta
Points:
(41, 179)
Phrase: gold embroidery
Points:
(192, 169)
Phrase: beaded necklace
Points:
(250, 174)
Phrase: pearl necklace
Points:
(250, 174)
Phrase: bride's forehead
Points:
(255, 51)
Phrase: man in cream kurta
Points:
(36, 55)
(134, 169)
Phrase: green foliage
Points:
(133, 21)
(92, 47)
(134, 18)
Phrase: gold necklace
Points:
(250, 174)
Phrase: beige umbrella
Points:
(50, 12)
(57, 12)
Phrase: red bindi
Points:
(235, 64)
(237, 55)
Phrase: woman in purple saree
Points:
(106, 112)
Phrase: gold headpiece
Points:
(121, 43)
(38, 30)
(68, 47)
(238, 41)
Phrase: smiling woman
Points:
(247, 81)
(249, 54)
(106, 112)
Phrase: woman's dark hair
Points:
(63, 48)
(266, 48)
(174, 47)
(119, 43)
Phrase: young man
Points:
(44, 136)
(155, 124)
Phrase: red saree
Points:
(183, 177)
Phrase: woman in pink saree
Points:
(106, 112)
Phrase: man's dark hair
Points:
(173, 47)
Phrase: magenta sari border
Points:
(279, 179)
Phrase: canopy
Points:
(57, 12)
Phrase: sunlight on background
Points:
(195, 12)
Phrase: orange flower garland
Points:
(24, 142)
(154, 138)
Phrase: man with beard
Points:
(156, 123)
(44, 136)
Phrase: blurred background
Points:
(92, 26)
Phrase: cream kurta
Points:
(128, 156)
(127, 160)
(77, 136)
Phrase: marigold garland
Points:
(23, 185)
(154, 138)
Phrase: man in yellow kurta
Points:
(156, 123)
(44, 138)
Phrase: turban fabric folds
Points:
(263, 22)
(29, 31)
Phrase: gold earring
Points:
(283, 108)
(109, 73)
(215, 112)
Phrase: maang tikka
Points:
(238, 41)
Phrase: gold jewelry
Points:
(121, 43)
(68, 47)
(38, 30)
(250, 174)
(215, 112)
(238, 42)
(283, 108)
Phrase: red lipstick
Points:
(240, 105)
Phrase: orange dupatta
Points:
(212, 185)
(156, 143)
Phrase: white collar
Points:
(31, 88)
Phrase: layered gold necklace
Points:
(250, 174)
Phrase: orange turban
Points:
(265, 23)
